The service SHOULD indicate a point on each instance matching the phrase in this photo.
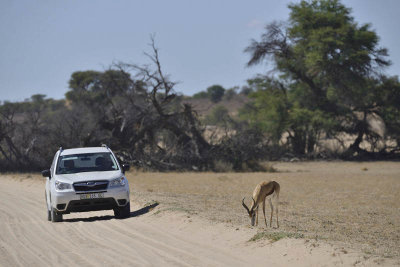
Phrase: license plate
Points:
(91, 195)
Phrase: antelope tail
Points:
(277, 189)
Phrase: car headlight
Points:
(62, 186)
(118, 182)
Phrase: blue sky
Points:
(201, 42)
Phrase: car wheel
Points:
(55, 217)
(123, 212)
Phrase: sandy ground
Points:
(356, 203)
(155, 235)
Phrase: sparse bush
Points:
(230, 93)
(252, 166)
(215, 93)
(222, 166)
(219, 116)
(246, 90)
(200, 95)
(244, 149)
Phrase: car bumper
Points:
(70, 201)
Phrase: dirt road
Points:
(145, 239)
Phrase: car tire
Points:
(55, 217)
(123, 212)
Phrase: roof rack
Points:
(104, 145)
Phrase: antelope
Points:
(260, 193)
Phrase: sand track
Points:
(90, 239)
(145, 239)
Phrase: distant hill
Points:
(204, 105)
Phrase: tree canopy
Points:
(328, 78)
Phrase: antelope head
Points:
(251, 211)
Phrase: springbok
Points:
(260, 193)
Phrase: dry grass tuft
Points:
(275, 236)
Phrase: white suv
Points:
(86, 179)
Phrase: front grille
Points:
(90, 186)
(91, 205)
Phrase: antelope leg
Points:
(277, 220)
(265, 220)
(257, 216)
(272, 212)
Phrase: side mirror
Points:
(125, 167)
(46, 173)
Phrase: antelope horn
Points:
(244, 205)
(254, 202)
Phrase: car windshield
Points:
(89, 162)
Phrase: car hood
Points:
(88, 176)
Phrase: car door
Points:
(48, 181)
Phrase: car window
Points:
(88, 162)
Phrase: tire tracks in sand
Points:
(27, 238)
